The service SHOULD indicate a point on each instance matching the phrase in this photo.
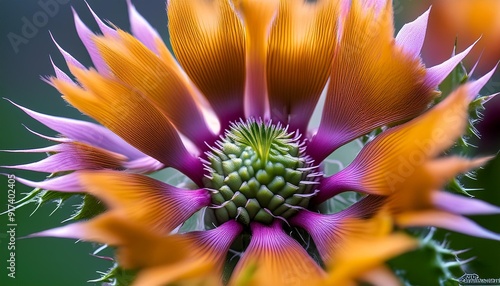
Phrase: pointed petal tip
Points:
(436, 74)
(476, 86)
(459, 204)
(75, 231)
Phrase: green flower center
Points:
(258, 172)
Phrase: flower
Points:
(256, 183)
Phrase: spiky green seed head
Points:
(258, 172)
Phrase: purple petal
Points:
(462, 205)
(75, 156)
(86, 37)
(221, 237)
(445, 220)
(105, 29)
(436, 74)
(67, 57)
(476, 86)
(141, 29)
(74, 230)
(54, 139)
(347, 179)
(60, 74)
(68, 183)
(328, 231)
(87, 132)
(144, 165)
(411, 37)
(271, 249)
(53, 148)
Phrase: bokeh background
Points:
(55, 262)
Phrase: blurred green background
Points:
(55, 262)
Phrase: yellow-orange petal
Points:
(186, 273)
(257, 17)
(161, 83)
(415, 191)
(194, 256)
(274, 258)
(329, 231)
(380, 276)
(144, 200)
(137, 246)
(399, 155)
(208, 40)
(300, 53)
(360, 256)
(373, 81)
(128, 114)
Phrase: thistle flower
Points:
(231, 112)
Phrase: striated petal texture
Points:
(330, 231)
(208, 40)
(276, 258)
(132, 117)
(300, 53)
(373, 81)
(160, 83)
(401, 154)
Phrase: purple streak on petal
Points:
(74, 231)
(60, 74)
(68, 183)
(462, 205)
(327, 231)
(86, 37)
(86, 132)
(345, 180)
(105, 29)
(74, 156)
(450, 222)
(411, 37)
(436, 74)
(323, 143)
(143, 165)
(377, 5)
(219, 238)
(69, 58)
(476, 86)
(141, 29)
(69, 159)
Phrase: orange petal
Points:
(208, 40)
(301, 47)
(360, 256)
(398, 156)
(257, 17)
(416, 190)
(129, 115)
(188, 272)
(138, 246)
(381, 276)
(329, 231)
(373, 82)
(274, 258)
(161, 83)
(144, 200)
